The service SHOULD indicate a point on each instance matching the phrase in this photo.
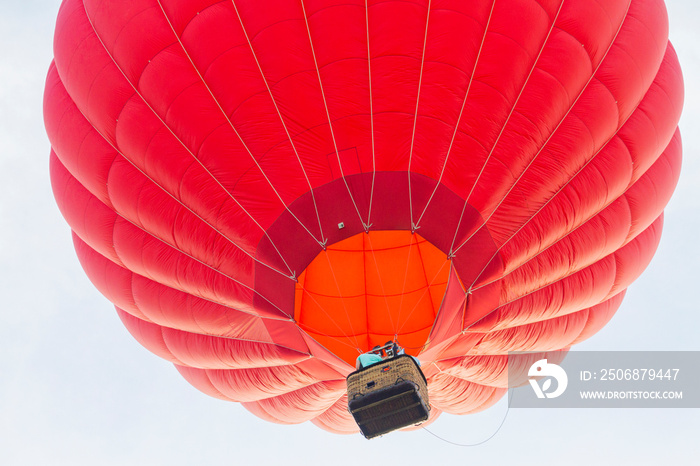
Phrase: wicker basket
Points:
(388, 395)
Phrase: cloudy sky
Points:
(76, 388)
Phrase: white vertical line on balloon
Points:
(300, 284)
(379, 275)
(415, 117)
(328, 115)
(405, 278)
(425, 275)
(342, 300)
(503, 127)
(461, 111)
(187, 149)
(322, 242)
(371, 117)
(364, 283)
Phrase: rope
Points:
(415, 117)
(498, 429)
(403, 286)
(371, 121)
(342, 300)
(381, 283)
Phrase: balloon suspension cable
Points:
(498, 429)
(421, 347)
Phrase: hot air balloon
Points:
(265, 190)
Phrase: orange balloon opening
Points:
(370, 288)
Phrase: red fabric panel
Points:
(304, 404)
(337, 419)
(450, 317)
(493, 370)
(598, 316)
(255, 384)
(83, 152)
(457, 396)
(206, 351)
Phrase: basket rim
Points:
(384, 361)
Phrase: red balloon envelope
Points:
(266, 189)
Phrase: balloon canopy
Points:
(265, 190)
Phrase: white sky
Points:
(76, 388)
